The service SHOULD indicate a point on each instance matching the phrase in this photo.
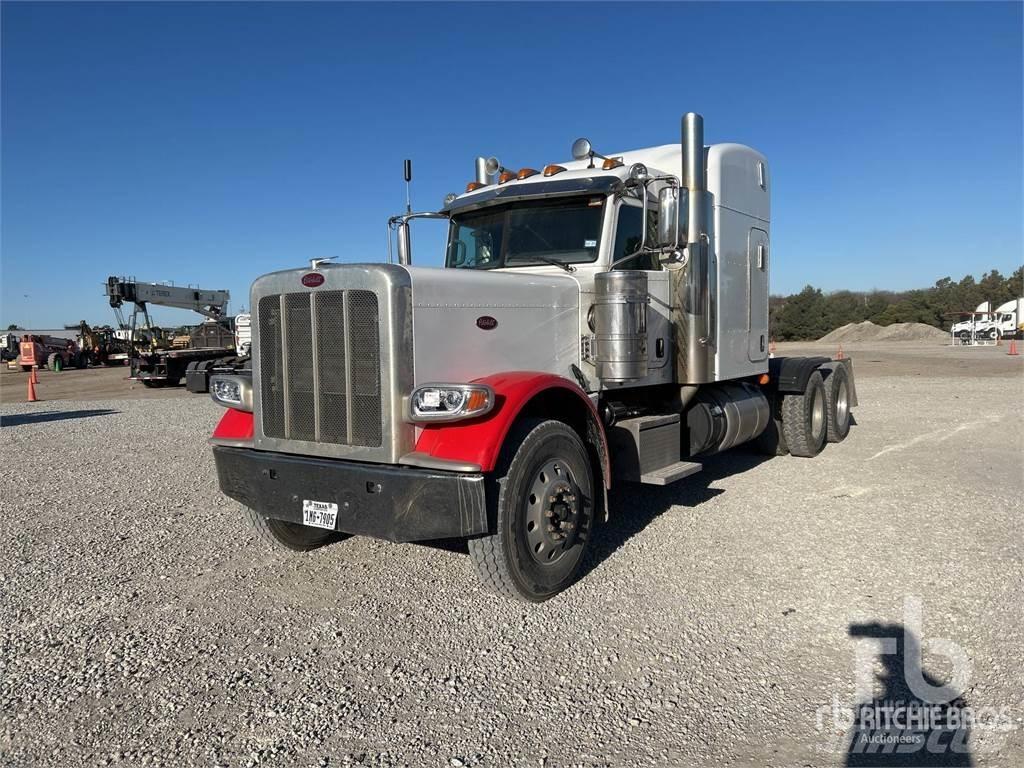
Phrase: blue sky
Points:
(208, 144)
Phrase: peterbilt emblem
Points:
(312, 280)
(486, 323)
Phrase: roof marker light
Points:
(612, 162)
(525, 173)
(506, 176)
(551, 170)
(473, 186)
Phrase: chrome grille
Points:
(320, 367)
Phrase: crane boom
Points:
(211, 304)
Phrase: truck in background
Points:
(597, 321)
(157, 365)
(1004, 322)
(52, 352)
(1008, 319)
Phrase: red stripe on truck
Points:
(234, 425)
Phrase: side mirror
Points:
(668, 217)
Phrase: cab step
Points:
(645, 449)
(669, 474)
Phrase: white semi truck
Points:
(1004, 322)
(598, 321)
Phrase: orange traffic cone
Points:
(1013, 347)
(839, 354)
(32, 391)
(34, 376)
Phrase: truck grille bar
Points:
(320, 367)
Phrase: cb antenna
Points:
(408, 178)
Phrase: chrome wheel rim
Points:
(842, 404)
(817, 414)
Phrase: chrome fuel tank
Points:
(620, 325)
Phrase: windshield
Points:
(527, 233)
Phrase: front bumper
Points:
(381, 500)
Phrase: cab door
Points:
(757, 295)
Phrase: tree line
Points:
(811, 314)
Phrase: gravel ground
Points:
(142, 623)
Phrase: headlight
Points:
(448, 402)
(232, 391)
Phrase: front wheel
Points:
(542, 506)
(55, 363)
(280, 534)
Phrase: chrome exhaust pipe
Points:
(481, 170)
(692, 310)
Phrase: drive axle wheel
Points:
(541, 504)
(804, 423)
(837, 404)
(280, 534)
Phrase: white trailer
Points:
(597, 321)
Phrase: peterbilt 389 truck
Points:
(596, 322)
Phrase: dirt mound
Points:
(868, 331)
(912, 332)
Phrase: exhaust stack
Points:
(481, 170)
(692, 311)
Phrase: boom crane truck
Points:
(211, 343)
(598, 321)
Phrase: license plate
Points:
(319, 514)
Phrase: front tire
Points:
(282, 535)
(804, 420)
(542, 503)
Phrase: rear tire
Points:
(282, 535)
(54, 362)
(804, 423)
(542, 501)
(837, 404)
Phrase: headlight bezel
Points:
(219, 384)
(467, 408)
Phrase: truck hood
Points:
(469, 323)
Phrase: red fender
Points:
(234, 425)
(479, 441)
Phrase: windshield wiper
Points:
(567, 267)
